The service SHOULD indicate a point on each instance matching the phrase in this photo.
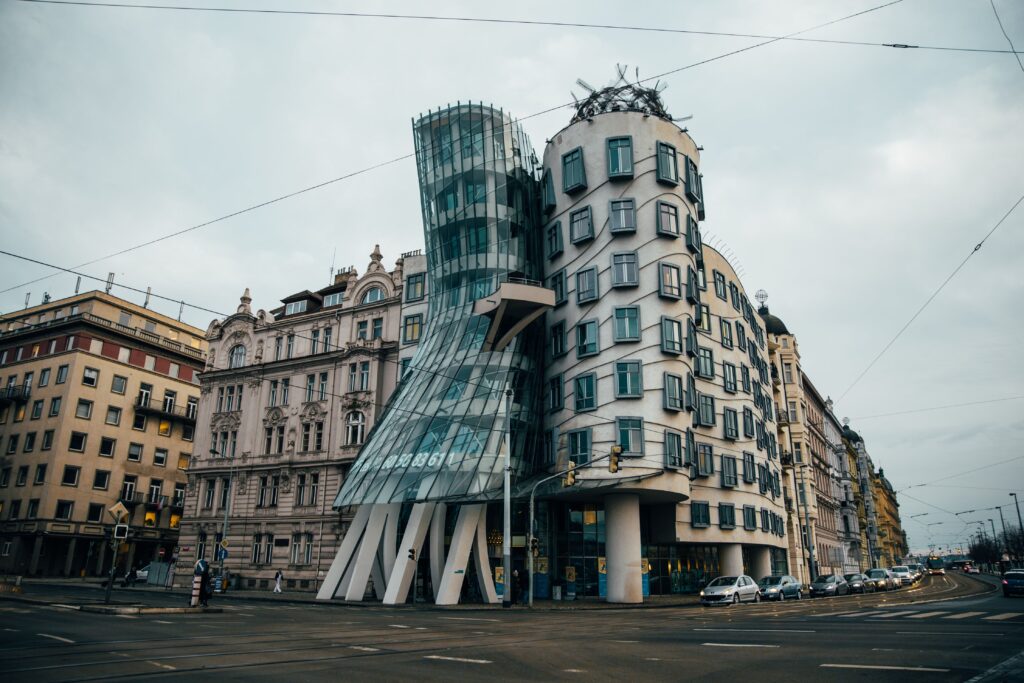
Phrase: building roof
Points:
(851, 435)
(772, 323)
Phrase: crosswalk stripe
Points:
(926, 615)
(896, 614)
(1004, 616)
(963, 615)
(860, 614)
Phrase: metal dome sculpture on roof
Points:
(621, 95)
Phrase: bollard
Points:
(197, 582)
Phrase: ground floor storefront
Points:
(46, 554)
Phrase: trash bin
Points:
(556, 592)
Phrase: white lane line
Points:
(63, 640)
(363, 648)
(859, 614)
(737, 645)
(623, 641)
(963, 615)
(12, 630)
(421, 628)
(575, 671)
(879, 667)
(926, 615)
(162, 666)
(399, 626)
(947, 633)
(161, 621)
(883, 649)
(901, 613)
(459, 659)
(756, 630)
(467, 619)
(1004, 616)
(126, 616)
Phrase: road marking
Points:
(859, 614)
(756, 630)
(461, 659)
(63, 640)
(421, 628)
(926, 615)
(126, 616)
(162, 666)
(467, 619)
(963, 615)
(575, 671)
(902, 613)
(883, 649)
(947, 633)
(12, 630)
(1004, 616)
(738, 645)
(623, 641)
(399, 626)
(363, 648)
(161, 621)
(878, 667)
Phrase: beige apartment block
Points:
(288, 398)
(98, 405)
(891, 538)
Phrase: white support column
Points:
(485, 577)
(405, 569)
(367, 553)
(458, 554)
(761, 562)
(331, 585)
(622, 544)
(730, 559)
(437, 554)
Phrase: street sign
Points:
(224, 544)
(118, 511)
(121, 531)
(222, 554)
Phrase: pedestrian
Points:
(205, 586)
(277, 581)
(524, 588)
(514, 587)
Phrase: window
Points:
(12, 444)
(787, 372)
(574, 176)
(412, 327)
(726, 515)
(745, 378)
(585, 392)
(164, 428)
(415, 287)
(729, 377)
(553, 240)
(377, 328)
(44, 377)
(361, 329)
(627, 323)
(332, 299)
(160, 457)
(581, 225)
(557, 283)
(62, 374)
(671, 335)
(64, 510)
(554, 393)
(278, 341)
(631, 435)
(628, 379)
(730, 421)
(90, 377)
(322, 390)
(236, 358)
(101, 480)
(625, 272)
(290, 345)
(792, 411)
(730, 477)
(40, 477)
(107, 447)
(22, 477)
(37, 409)
(726, 333)
(355, 425)
(693, 240)
(705, 363)
(579, 446)
(749, 471)
(135, 452)
(693, 183)
(70, 477)
(705, 460)
(548, 184)
(748, 422)
(669, 283)
(622, 215)
(113, 415)
(83, 409)
(47, 440)
(719, 285)
(673, 392)
(586, 338)
(668, 165)
(700, 514)
(673, 449)
(310, 387)
(620, 157)
(705, 410)
(586, 285)
(557, 339)
(77, 442)
(291, 309)
(668, 219)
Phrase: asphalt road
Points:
(923, 634)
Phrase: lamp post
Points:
(807, 524)
(221, 550)
(506, 541)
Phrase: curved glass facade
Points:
(441, 435)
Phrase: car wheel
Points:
(735, 598)
(800, 594)
(757, 597)
(782, 596)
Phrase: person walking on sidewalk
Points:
(277, 581)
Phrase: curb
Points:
(108, 609)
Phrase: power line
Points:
(408, 156)
(952, 405)
(960, 474)
(515, 22)
(934, 294)
(1005, 35)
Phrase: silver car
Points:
(902, 572)
(730, 590)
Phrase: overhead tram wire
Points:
(1006, 35)
(514, 22)
(960, 474)
(411, 155)
(934, 294)
(927, 410)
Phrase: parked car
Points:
(780, 588)
(828, 585)
(859, 583)
(879, 579)
(917, 571)
(730, 590)
(1013, 583)
(902, 572)
(140, 575)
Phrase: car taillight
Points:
(1005, 582)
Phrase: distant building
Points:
(891, 538)
(98, 405)
(288, 398)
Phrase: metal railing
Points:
(153, 404)
(17, 392)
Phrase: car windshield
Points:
(723, 581)
(853, 577)
(771, 581)
(900, 569)
(877, 573)
(825, 579)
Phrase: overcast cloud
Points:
(848, 181)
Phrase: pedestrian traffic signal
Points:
(412, 554)
(534, 546)
(613, 459)
(570, 475)
(120, 531)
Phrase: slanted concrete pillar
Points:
(101, 553)
(761, 562)
(70, 558)
(730, 557)
(622, 534)
(37, 550)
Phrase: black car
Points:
(828, 585)
(1013, 583)
(859, 583)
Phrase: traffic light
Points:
(534, 546)
(613, 459)
(570, 475)
(412, 554)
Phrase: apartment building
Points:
(98, 405)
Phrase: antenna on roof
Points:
(78, 284)
(586, 86)
(333, 254)
(110, 281)
(27, 295)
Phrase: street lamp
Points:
(222, 551)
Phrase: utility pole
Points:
(807, 523)
(1020, 524)
(506, 541)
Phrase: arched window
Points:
(355, 428)
(372, 295)
(237, 357)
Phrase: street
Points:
(913, 634)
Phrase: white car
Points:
(730, 590)
(902, 573)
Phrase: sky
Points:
(848, 181)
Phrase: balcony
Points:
(156, 501)
(15, 394)
(178, 502)
(161, 408)
(130, 497)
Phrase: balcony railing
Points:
(157, 406)
(178, 502)
(130, 497)
(18, 393)
(156, 500)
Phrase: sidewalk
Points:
(309, 598)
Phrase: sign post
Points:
(120, 531)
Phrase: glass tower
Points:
(441, 435)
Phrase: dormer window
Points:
(372, 295)
(332, 299)
(295, 307)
